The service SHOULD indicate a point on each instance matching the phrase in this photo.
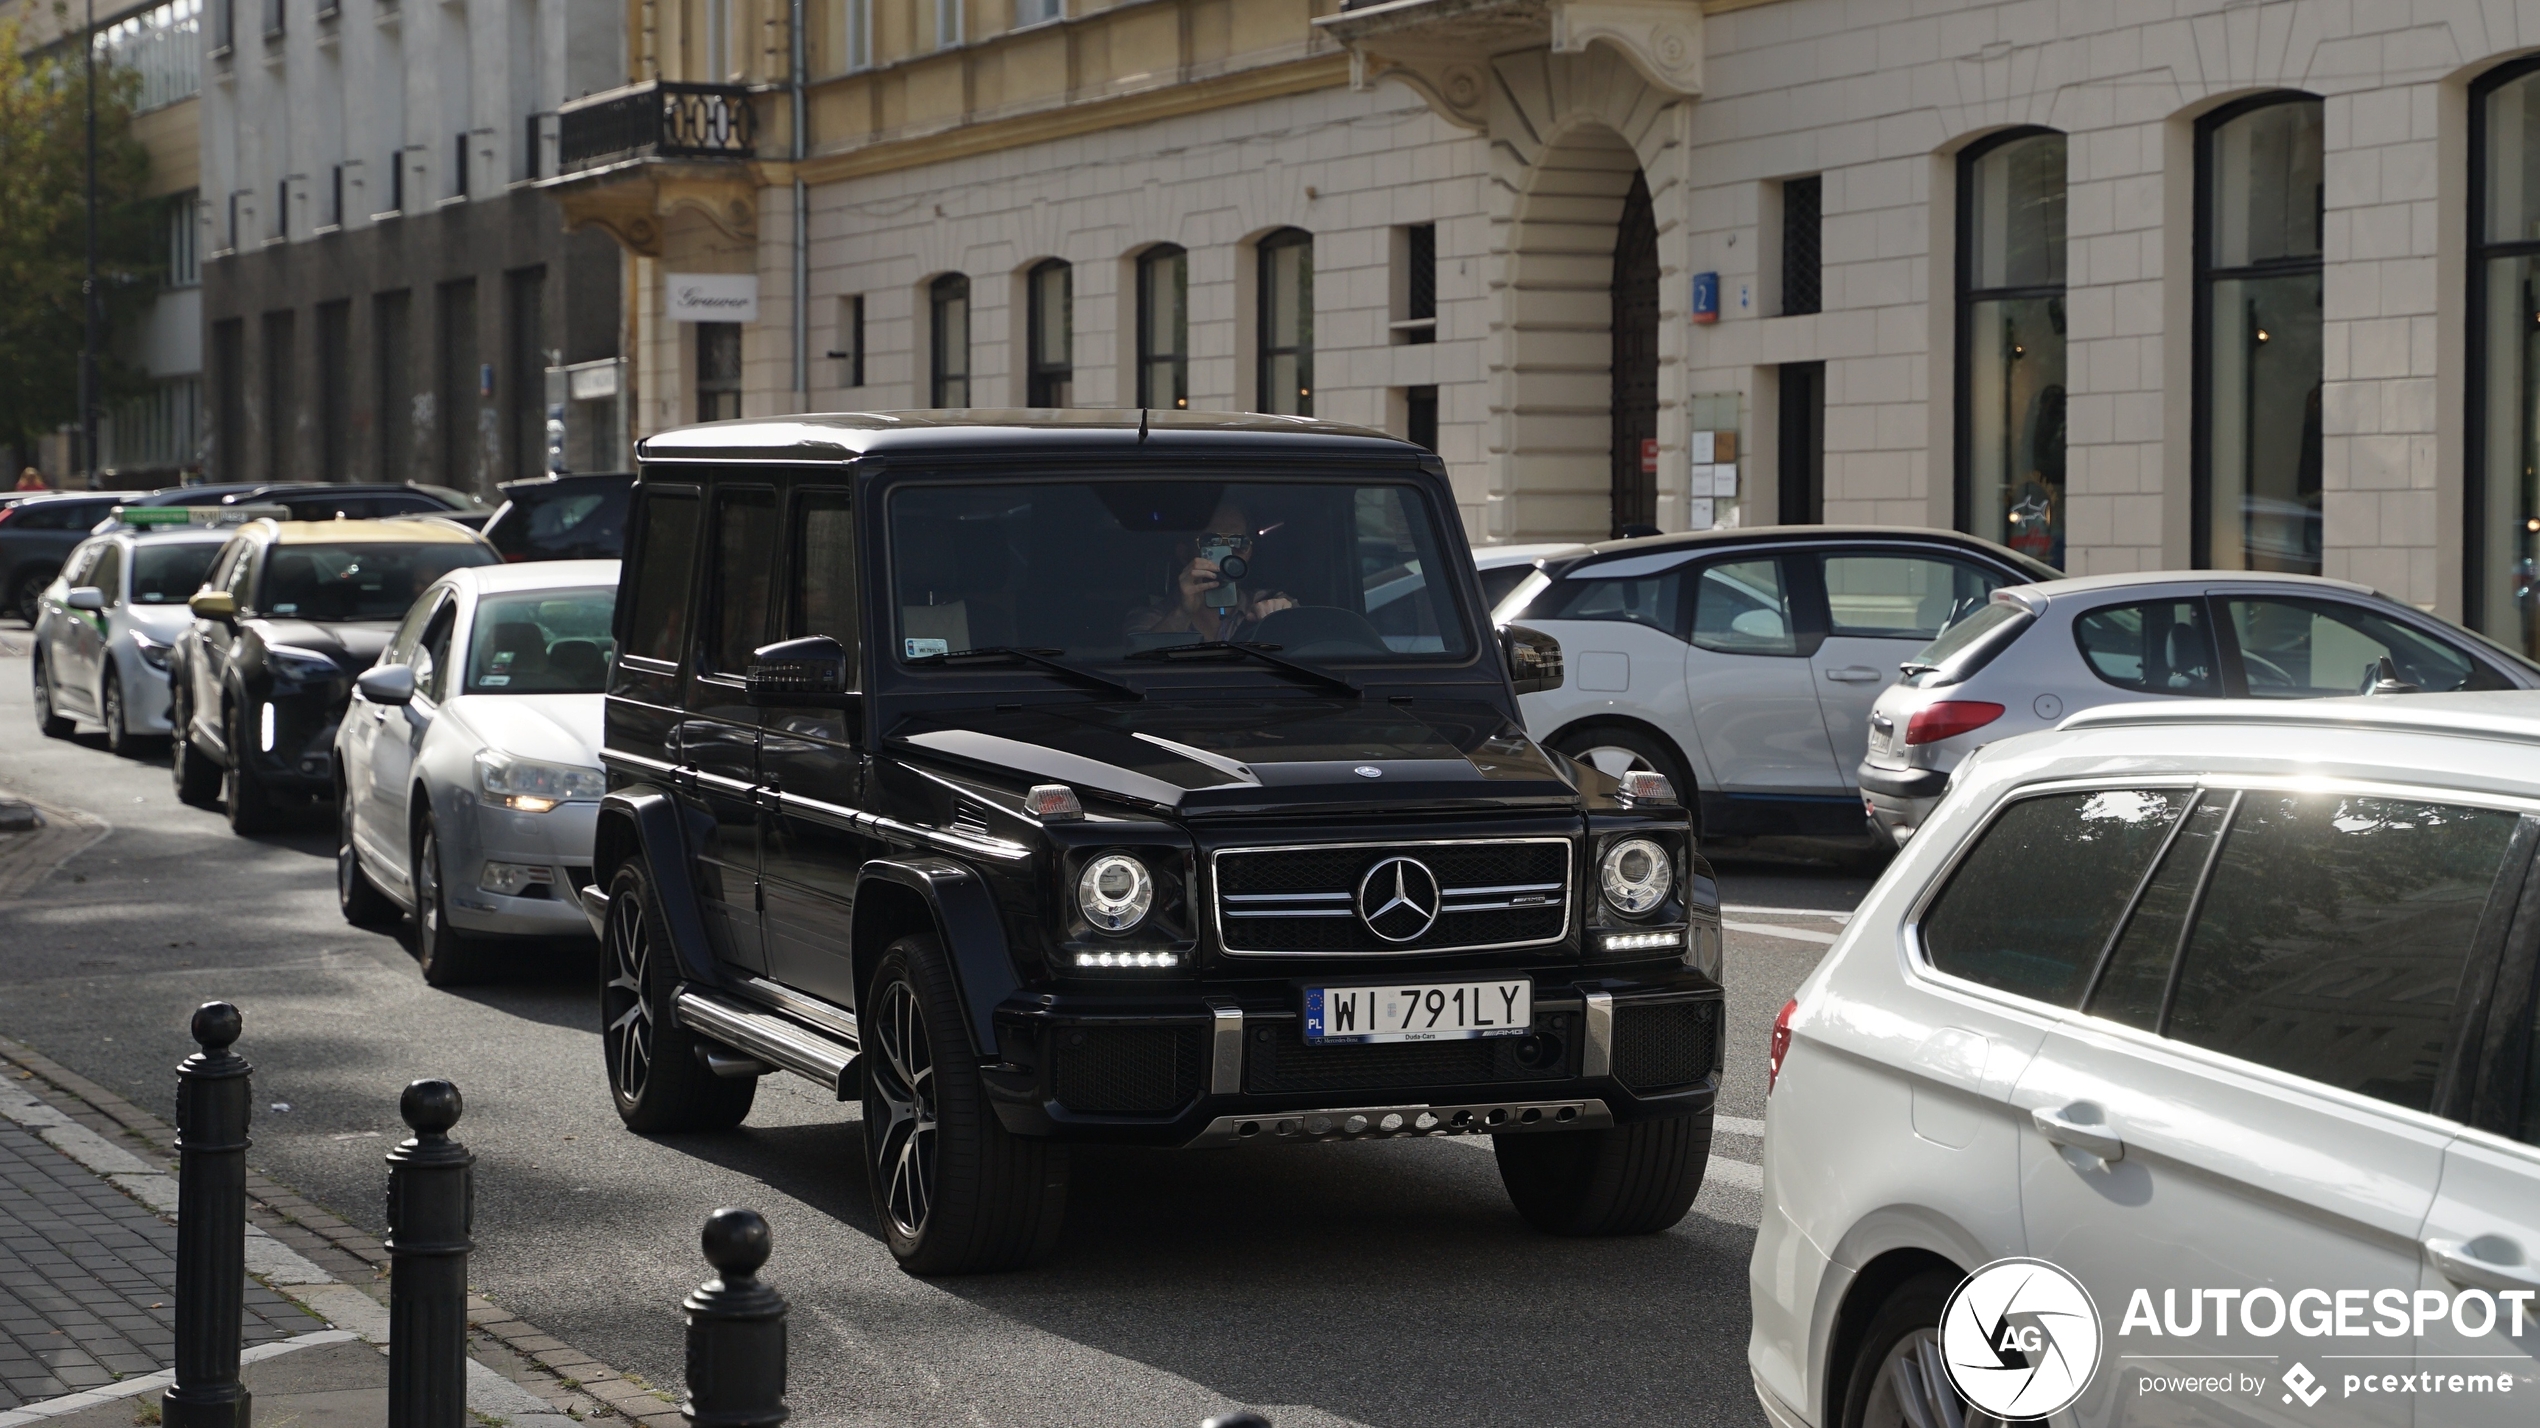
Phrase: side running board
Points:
(770, 1038)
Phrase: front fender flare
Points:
(649, 818)
(966, 918)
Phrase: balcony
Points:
(659, 119)
(1445, 49)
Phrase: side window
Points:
(432, 654)
(1743, 607)
(2032, 904)
(2310, 649)
(2333, 936)
(75, 570)
(665, 562)
(744, 568)
(242, 572)
(2162, 647)
(1895, 596)
(401, 646)
(825, 599)
(107, 573)
(2137, 975)
(1652, 600)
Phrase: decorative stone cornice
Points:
(632, 201)
(1443, 49)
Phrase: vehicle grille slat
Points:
(1279, 901)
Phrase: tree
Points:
(43, 231)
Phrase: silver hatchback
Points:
(2037, 653)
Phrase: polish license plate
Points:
(1419, 1011)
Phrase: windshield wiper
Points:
(1267, 654)
(1910, 668)
(1034, 655)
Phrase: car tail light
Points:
(1948, 719)
(1781, 1044)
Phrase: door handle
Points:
(1853, 674)
(378, 712)
(2457, 1264)
(2063, 1128)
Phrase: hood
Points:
(552, 728)
(354, 644)
(1222, 757)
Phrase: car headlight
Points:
(153, 652)
(1636, 875)
(1115, 892)
(531, 786)
(299, 665)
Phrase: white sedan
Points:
(104, 626)
(469, 765)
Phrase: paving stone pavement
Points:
(88, 1277)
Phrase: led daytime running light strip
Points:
(1638, 941)
(1128, 959)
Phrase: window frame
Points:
(1264, 352)
(1969, 295)
(2474, 492)
(1147, 356)
(638, 536)
(941, 292)
(2203, 277)
(1043, 379)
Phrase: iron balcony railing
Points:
(656, 119)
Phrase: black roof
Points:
(843, 436)
(1797, 535)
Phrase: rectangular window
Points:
(2011, 379)
(392, 335)
(1420, 414)
(525, 324)
(1802, 470)
(1900, 597)
(185, 229)
(1415, 314)
(718, 371)
(858, 23)
(1286, 323)
(282, 397)
(745, 571)
(1802, 263)
(1051, 335)
(849, 353)
(458, 164)
(462, 377)
(948, 324)
(2163, 647)
(1743, 607)
(2502, 508)
(335, 389)
(224, 25)
(274, 17)
(665, 562)
(229, 400)
(1164, 368)
(1038, 12)
(825, 595)
(942, 20)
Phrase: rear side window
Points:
(2034, 901)
(2159, 647)
(744, 569)
(1896, 596)
(2311, 649)
(2333, 937)
(1743, 607)
(1652, 600)
(659, 576)
(825, 593)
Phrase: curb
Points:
(316, 1259)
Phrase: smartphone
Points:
(1219, 551)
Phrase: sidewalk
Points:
(87, 1288)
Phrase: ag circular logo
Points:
(1398, 899)
(2020, 1338)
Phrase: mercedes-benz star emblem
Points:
(1368, 771)
(1398, 899)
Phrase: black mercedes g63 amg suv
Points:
(1124, 777)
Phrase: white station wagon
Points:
(2209, 1004)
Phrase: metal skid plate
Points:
(1395, 1122)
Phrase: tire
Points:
(363, 904)
(28, 598)
(197, 777)
(1615, 750)
(656, 1078)
(54, 725)
(955, 1192)
(120, 740)
(1635, 1179)
(1896, 1379)
(242, 794)
(448, 956)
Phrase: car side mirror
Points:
(387, 683)
(86, 597)
(213, 605)
(1533, 659)
(811, 671)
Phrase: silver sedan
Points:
(104, 626)
(2037, 653)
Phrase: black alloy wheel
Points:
(242, 794)
(1635, 1179)
(657, 1078)
(449, 957)
(956, 1192)
(197, 778)
(360, 899)
(1897, 1378)
(54, 725)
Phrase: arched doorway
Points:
(1634, 304)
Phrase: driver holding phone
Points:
(1211, 596)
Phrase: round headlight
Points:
(1115, 892)
(1636, 875)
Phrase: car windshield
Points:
(167, 573)
(542, 642)
(1328, 571)
(1933, 664)
(368, 581)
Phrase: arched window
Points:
(2503, 499)
(948, 326)
(2258, 217)
(1050, 335)
(1164, 327)
(2011, 342)
(1286, 326)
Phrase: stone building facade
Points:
(2134, 285)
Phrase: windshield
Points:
(1095, 570)
(1933, 663)
(548, 642)
(370, 581)
(166, 574)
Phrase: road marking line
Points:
(1775, 929)
(1738, 1125)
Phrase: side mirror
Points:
(86, 597)
(811, 671)
(213, 605)
(1533, 658)
(387, 683)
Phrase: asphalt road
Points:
(1385, 1283)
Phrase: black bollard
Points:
(431, 1208)
(736, 1331)
(212, 1093)
(1240, 1418)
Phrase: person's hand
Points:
(1267, 605)
(1197, 580)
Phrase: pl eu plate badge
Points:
(1314, 1014)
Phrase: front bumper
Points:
(558, 840)
(1898, 800)
(298, 760)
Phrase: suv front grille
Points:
(1668, 1044)
(1128, 1070)
(1285, 1063)
(1303, 901)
